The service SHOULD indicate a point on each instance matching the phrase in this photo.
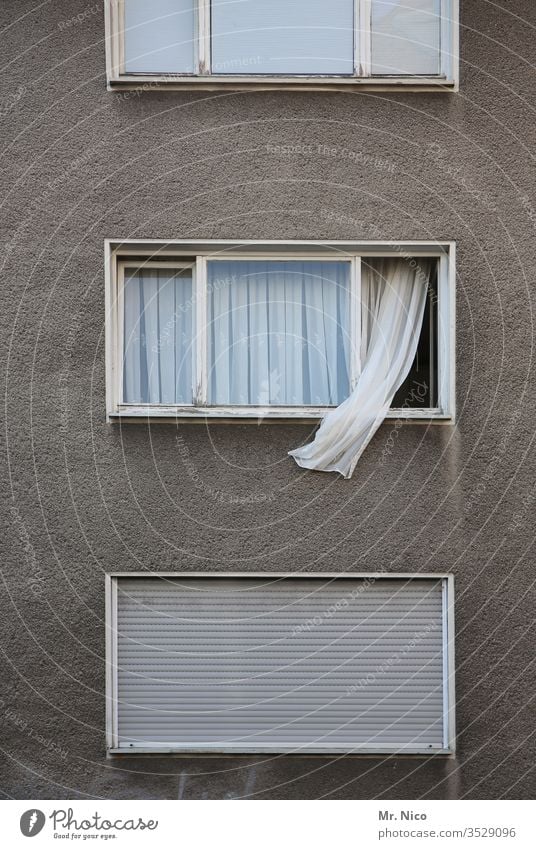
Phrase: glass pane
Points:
(406, 37)
(159, 36)
(278, 332)
(282, 36)
(420, 389)
(157, 346)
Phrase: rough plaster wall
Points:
(83, 498)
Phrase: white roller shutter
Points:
(241, 664)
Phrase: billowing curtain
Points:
(157, 346)
(393, 299)
(278, 332)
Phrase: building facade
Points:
(114, 168)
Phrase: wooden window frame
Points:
(196, 254)
(446, 80)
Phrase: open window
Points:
(311, 42)
(357, 664)
(271, 330)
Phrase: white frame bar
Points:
(117, 78)
(449, 668)
(363, 40)
(117, 258)
(114, 40)
(204, 50)
(110, 625)
(449, 697)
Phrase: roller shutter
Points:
(279, 664)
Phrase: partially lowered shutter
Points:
(242, 664)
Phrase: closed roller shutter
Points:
(279, 664)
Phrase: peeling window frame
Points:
(362, 77)
(196, 253)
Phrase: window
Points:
(278, 663)
(276, 330)
(237, 42)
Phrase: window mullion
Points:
(362, 37)
(203, 36)
(201, 333)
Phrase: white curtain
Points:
(278, 332)
(393, 300)
(157, 355)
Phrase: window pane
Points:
(282, 36)
(159, 36)
(420, 388)
(406, 36)
(278, 332)
(157, 348)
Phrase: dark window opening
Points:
(420, 388)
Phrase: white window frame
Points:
(449, 667)
(446, 80)
(195, 254)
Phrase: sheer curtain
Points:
(278, 332)
(393, 299)
(157, 346)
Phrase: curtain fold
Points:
(393, 300)
(157, 355)
(278, 332)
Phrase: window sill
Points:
(245, 415)
(214, 82)
(272, 750)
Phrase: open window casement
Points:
(355, 664)
(379, 43)
(282, 330)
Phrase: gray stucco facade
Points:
(84, 498)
